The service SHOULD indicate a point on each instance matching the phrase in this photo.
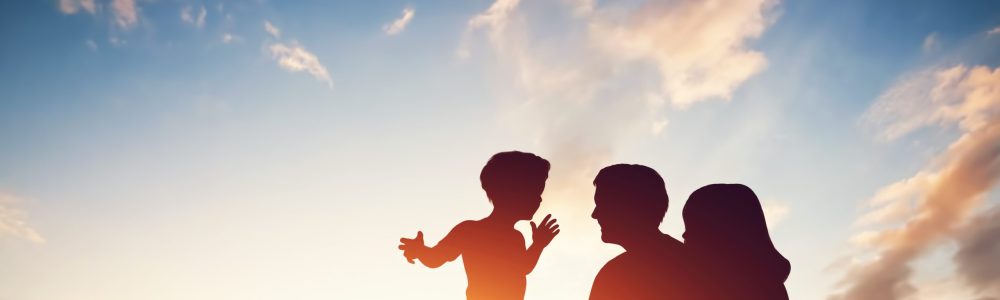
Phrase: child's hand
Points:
(542, 235)
(412, 247)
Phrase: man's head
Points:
(628, 198)
(514, 182)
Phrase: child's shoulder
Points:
(467, 225)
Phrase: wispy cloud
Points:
(188, 17)
(896, 201)
(296, 58)
(658, 126)
(91, 44)
(13, 222)
(116, 41)
(577, 94)
(70, 7)
(399, 25)
(271, 29)
(125, 12)
(775, 212)
(699, 47)
(948, 190)
(994, 31)
(931, 43)
(228, 38)
(979, 251)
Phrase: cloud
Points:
(117, 42)
(495, 17)
(399, 25)
(584, 93)
(91, 44)
(979, 251)
(125, 12)
(949, 189)
(228, 38)
(931, 43)
(189, 18)
(699, 47)
(658, 126)
(70, 7)
(896, 201)
(296, 58)
(903, 108)
(274, 31)
(775, 212)
(12, 221)
(994, 31)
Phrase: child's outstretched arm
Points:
(447, 250)
(541, 235)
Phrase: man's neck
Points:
(640, 241)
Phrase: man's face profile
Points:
(608, 215)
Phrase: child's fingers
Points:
(554, 228)
(554, 233)
(546, 219)
(533, 227)
(551, 222)
(420, 236)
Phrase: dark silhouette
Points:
(727, 240)
(496, 261)
(631, 202)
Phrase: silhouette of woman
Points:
(727, 238)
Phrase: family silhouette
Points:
(727, 251)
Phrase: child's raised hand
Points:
(542, 234)
(411, 247)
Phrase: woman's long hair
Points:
(725, 228)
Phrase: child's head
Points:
(514, 182)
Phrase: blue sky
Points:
(151, 155)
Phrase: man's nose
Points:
(594, 214)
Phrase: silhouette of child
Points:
(494, 254)
(726, 237)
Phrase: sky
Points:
(156, 149)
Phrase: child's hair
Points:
(508, 173)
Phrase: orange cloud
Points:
(979, 251)
(949, 190)
(13, 221)
(125, 12)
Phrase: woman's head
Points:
(725, 215)
(725, 229)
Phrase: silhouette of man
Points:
(631, 202)
(496, 261)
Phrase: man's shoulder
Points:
(616, 263)
(619, 266)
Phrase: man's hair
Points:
(508, 173)
(636, 188)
